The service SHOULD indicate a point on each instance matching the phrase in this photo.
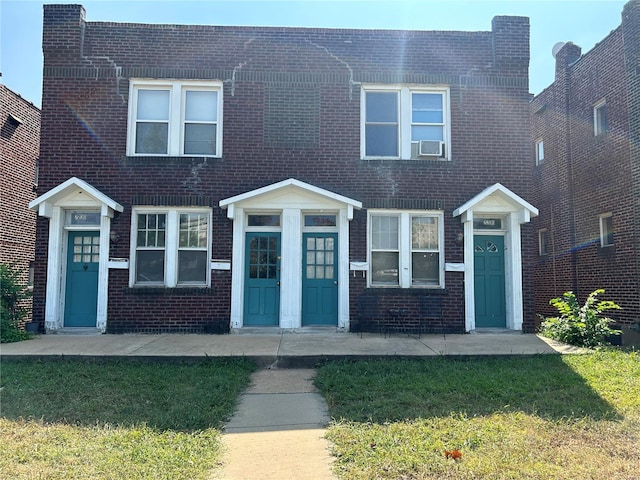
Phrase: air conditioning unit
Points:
(430, 148)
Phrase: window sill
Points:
(166, 160)
(165, 291)
(417, 161)
(406, 291)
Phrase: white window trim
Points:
(404, 117)
(603, 235)
(404, 246)
(171, 247)
(597, 109)
(539, 151)
(177, 89)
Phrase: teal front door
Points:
(320, 279)
(81, 288)
(489, 281)
(262, 279)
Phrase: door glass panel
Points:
(329, 271)
(263, 257)
(319, 272)
(319, 220)
(86, 249)
(263, 220)
(311, 272)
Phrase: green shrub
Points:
(581, 326)
(12, 310)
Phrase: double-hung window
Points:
(175, 118)
(401, 122)
(405, 249)
(170, 247)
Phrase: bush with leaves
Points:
(13, 292)
(583, 326)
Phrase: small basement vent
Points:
(430, 148)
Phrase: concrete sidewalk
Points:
(286, 349)
(278, 431)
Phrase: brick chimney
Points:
(62, 34)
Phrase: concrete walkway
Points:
(288, 349)
(277, 432)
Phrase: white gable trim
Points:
(291, 183)
(44, 202)
(501, 192)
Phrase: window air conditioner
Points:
(430, 148)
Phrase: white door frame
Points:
(291, 199)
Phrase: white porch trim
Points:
(292, 198)
(73, 194)
(496, 200)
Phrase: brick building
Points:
(201, 178)
(586, 127)
(19, 150)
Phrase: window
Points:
(405, 249)
(606, 230)
(600, 118)
(175, 118)
(543, 242)
(539, 151)
(170, 247)
(405, 123)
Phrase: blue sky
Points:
(583, 22)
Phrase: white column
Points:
(469, 272)
(290, 269)
(53, 312)
(103, 273)
(515, 282)
(343, 270)
(237, 270)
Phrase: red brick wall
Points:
(584, 175)
(85, 98)
(19, 149)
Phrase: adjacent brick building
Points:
(586, 127)
(19, 150)
(201, 178)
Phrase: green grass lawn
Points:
(115, 420)
(542, 417)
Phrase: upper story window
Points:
(606, 230)
(539, 151)
(405, 249)
(401, 122)
(600, 118)
(175, 118)
(170, 247)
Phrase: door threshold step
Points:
(75, 331)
